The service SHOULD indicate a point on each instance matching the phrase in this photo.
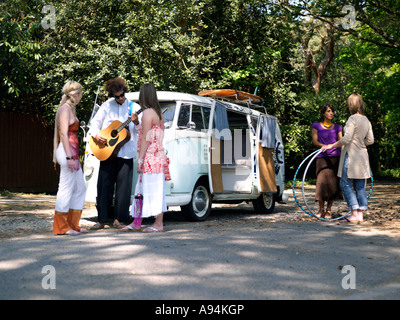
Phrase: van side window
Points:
(200, 116)
(206, 116)
(168, 111)
(238, 150)
(253, 122)
(197, 117)
(184, 115)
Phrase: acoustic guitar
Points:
(116, 134)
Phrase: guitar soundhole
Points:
(114, 133)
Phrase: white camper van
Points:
(223, 148)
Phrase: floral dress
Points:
(155, 160)
(155, 171)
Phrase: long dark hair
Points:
(323, 110)
(148, 98)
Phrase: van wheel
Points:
(199, 208)
(265, 203)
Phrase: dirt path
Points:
(30, 214)
(384, 208)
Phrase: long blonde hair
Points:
(70, 88)
(68, 91)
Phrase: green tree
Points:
(20, 44)
(366, 44)
(285, 51)
(374, 72)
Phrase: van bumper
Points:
(283, 198)
(178, 200)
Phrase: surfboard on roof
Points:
(231, 94)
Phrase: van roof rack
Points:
(232, 94)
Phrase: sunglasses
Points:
(120, 96)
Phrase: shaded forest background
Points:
(298, 55)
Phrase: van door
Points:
(230, 169)
(214, 155)
(265, 165)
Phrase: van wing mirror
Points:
(191, 125)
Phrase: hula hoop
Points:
(316, 153)
(294, 180)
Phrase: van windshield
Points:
(168, 110)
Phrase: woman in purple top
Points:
(328, 184)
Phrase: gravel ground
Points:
(32, 214)
(235, 254)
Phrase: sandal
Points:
(355, 218)
(151, 230)
(72, 232)
(118, 225)
(320, 213)
(327, 215)
(130, 228)
(97, 226)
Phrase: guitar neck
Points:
(128, 121)
(123, 125)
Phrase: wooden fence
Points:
(26, 153)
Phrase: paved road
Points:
(234, 255)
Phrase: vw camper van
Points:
(223, 148)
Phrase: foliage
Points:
(367, 62)
(389, 173)
(19, 54)
(192, 45)
(374, 72)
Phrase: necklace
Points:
(327, 125)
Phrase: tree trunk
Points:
(314, 73)
(321, 70)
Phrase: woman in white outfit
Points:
(71, 188)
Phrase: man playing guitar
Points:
(118, 170)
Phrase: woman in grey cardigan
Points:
(354, 166)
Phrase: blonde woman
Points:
(71, 188)
(354, 166)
